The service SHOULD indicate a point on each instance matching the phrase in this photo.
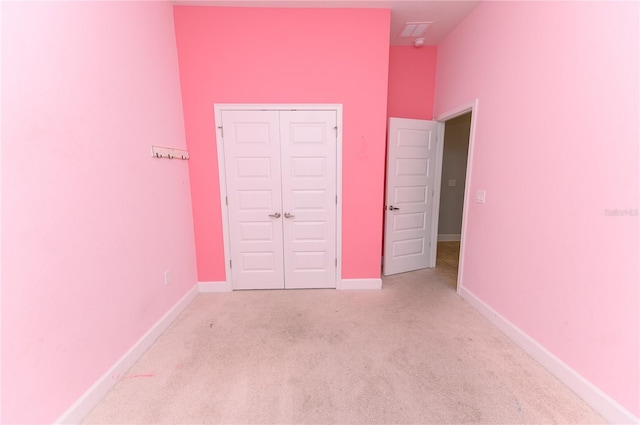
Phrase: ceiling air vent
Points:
(414, 29)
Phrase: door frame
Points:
(472, 107)
(222, 176)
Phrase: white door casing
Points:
(278, 162)
(409, 195)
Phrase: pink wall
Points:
(412, 78)
(288, 56)
(90, 221)
(556, 146)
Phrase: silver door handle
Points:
(392, 208)
(276, 215)
(287, 215)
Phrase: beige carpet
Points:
(411, 353)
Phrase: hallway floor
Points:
(447, 256)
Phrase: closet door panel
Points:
(253, 174)
(308, 148)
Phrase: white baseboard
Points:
(206, 287)
(601, 402)
(449, 238)
(348, 284)
(99, 389)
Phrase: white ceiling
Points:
(445, 14)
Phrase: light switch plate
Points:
(481, 196)
(452, 183)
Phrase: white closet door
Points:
(308, 145)
(252, 163)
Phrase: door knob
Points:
(392, 208)
(287, 215)
(276, 215)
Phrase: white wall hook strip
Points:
(169, 153)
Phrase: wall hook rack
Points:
(169, 153)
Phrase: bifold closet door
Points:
(281, 188)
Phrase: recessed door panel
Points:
(253, 132)
(308, 167)
(253, 167)
(308, 200)
(413, 137)
(255, 200)
(307, 261)
(309, 231)
(307, 132)
(404, 195)
(412, 167)
(256, 232)
(258, 262)
(411, 221)
(408, 247)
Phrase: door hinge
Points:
(336, 262)
(226, 200)
(230, 264)
(221, 131)
(336, 199)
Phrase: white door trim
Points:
(218, 108)
(472, 107)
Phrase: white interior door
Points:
(281, 189)
(254, 198)
(409, 195)
(308, 146)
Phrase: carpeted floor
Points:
(411, 353)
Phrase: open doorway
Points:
(455, 153)
(425, 224)
(467, 113)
